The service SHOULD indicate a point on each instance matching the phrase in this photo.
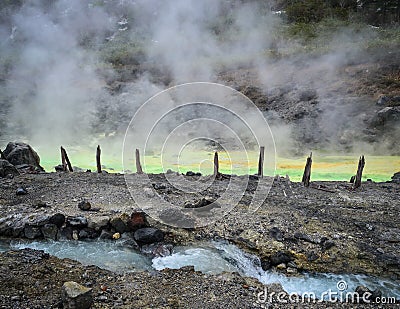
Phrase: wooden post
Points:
(361, 164)
(216, 164)
(261, 162)
(139, 169)
(65, 160)
(98, 154)
(307, 172)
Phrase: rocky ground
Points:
(325, 228)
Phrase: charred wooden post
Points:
(361, 164)
(216, 165)
(261, 162)
(98, 154)
(139, 169)
(65, 160)
(307, 172)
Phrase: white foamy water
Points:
(210, 257)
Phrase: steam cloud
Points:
(59, 89)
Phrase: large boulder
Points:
(22, 155)
(148, 235)
(76, 296)
(386, 115)
(6, 168)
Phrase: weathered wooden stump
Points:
(261, 162)
(65, 160)
(307, 172)
(216, 165)
(361, 164)
(98, 162)
(139, 169)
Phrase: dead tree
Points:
(307, 171)
(216, 165)
(98, 154)
(261, 162)
(65, 160)
(139, 169)
(361, 164)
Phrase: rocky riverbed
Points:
(324, 228)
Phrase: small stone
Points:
(380, 250)
(291, 270)
(120, 223)
(84, 205)
(75, 235)
(98, 223)
(276, 233)
(102, 298)
(116, 236)
(76, 296)
(281, 266)
(15, 298)
(21, 191)
(149, 192)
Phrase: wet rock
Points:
(120, 223)
(75, 235)
(87, 233)
(106, 235)
(148, 235)
(65, 233)
(57, 219)
(6, 169)
(127, 240)
(32, 232)
(18, 154)
(157, 249)
(281, 266)
(49, 231)
(137, 221)
(276, 234)
(21, 191)
(98, 223)
(84, 205)
(116, 236)
(76, 296)
(76, 222)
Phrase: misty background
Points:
(75, 72)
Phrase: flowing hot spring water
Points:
(208, 257)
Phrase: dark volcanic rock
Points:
(18, 153)
(396, 177)
(6, 168)
(120, 223)
(21, 191)
(84, 205)
(276, 233)
(32, 232)
(137, 221)
(157, 249)
(280, 258)
(367, 295)
(49, 231)
(386, 115)
(149, 235)
(57, 219)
